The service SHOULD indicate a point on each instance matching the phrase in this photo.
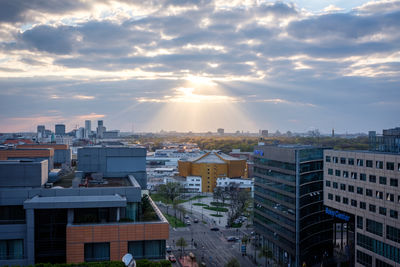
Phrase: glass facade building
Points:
(288, 203)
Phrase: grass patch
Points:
(217, 215)
(174, 222)
(156, 197)
(236, 225)
(200, 204)
(217, 209)
(219, 204)
(197, 197)
(204, 222)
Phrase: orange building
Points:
(62, 152)
(211, 166)
(29, 153)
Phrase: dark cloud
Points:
(21, 10)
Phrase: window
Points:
(398, 167)
(393, 233)
(374, 227)
(372, 179)
(368, 192)
(337, 173)
(343, 187)
(350, 161)
(360, 190)
(330, 196)
(372, 208)
(345, 200)
(12, 214)
(335, 159)
(330, 171)
(382, 180)
(97, 252)
(353, 175)
(390, 166)
(328, 159)
(351, 188)
(363, 205)
(149, 249)
(379, 263)
(342, 160)
(360, 162)
(363, 177)
(394, 182)
(379, 164)
(11, 249)
(364, 259)
(359, 222)
(337, 198)
(379, 194)
(394, 214)
(354, 203)
(345, 174)
(335, 185)
(369, 163)
(390, 197)
(328, 183)
(382, 211)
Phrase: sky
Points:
(199, 65)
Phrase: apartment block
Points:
(62, 152)
(361, 189)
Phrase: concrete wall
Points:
(23, 174)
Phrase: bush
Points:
(217, 209)
(219, 204)
(200, 204)
(216, 215)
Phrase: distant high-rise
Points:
(264, 133)
(41, 131)
(100, 129)
(220, 131)
(88, 128)
(389, 141)
(60, 129)
(99, 123)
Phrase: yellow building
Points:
(211, 166)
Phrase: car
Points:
(168, 249)
(196, 220)
(214, 229)
(186, 217)
(232, 238)
(171, 258)
(253, 233)
(188, 223)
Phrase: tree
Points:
(170, 191)
(239, 199)
(265, 252)
(181, 242)
(233, 262)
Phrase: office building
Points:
(210, 166)
(220, 131)
(88, 128)
(60, 129)
(111, 134)
(62, 152)
(29, 154)
(100, 129)
(389, 141)
(288, 206)
(41, 131)
(361, 189)
(264, 133)
(114, 162)
(92, 218)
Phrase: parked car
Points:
(214, 229)
(168, 249)
(171, 258)
(188, 223)
(196, 220)
(186, 217)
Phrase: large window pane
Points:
(11, 249)
(97, 252)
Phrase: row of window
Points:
(385, 250)
(362, 205)
(360, 162)
(360, 190)
(11, 249)
(363, 177)
(366, 260)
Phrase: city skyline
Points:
(200, 65)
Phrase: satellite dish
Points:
(128, 260)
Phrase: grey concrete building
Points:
(361, 189)
(60, 129)
(114, 161)
(288, 205)
(62, 153)
(88, 128)
(88, 219)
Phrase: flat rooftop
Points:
(66, 182)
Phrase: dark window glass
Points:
(379, 164)
(342, 160)
(393, 233)
(364, 259)
(372, 178)
(363, 205)
(345, 174)
(382, 211)
(12, 214)
(350, 161)
(330, 196)
(345, 200)
(97, 252)
(379, 263)
(372, 208)
(359, 190)
(359, 222)
(337, 198)
(11, 249)
(353, 175)
(335, 159)
(335, 185)
(369, 163)
(368, 192)
(394, 182)
(343, 187)
(328, 159)
(328, 183)
(337, 173)
(330, 171)
(390, 197)
(360, 162)
(354, 203)
(149, 249)
(394, 214)
(351, 188)
(382, 180)
(379, 194)
(390, 166)
(363, 177)
(374, 227)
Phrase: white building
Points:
(242, 183)
(193, 184)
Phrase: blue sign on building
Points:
(337, 214)
(259, 152)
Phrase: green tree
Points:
(233, 262)
(170, 191)
(181, 242)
